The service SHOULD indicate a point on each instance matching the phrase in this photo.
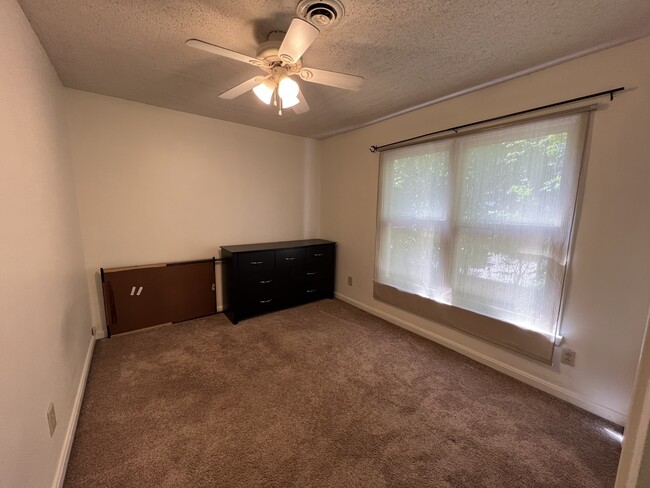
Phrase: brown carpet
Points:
(321, 395)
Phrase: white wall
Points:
(609, 286)
(156, 185)
(44, 311)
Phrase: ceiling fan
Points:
(279, 58)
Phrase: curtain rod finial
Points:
(373, 149)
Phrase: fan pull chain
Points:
(277, 101)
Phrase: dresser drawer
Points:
(256, 262)
(313, 293)
(314, 273)
(255, 305)
(254, 284)
(262, 297)
(319, 256)
(317, 279)
(289, 257)
(317, 285)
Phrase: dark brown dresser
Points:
(260, 278)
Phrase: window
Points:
(481, 223)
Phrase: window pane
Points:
(414, 208)
(516, 175)
(419, 183)
(412, 260)
(508, 276)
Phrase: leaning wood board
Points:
(143, 296)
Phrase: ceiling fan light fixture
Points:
(280, 59)
(264, 91)
(288, 89)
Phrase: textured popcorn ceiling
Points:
(409, 52)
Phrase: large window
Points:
(481, 223)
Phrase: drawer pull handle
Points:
(318, 254)
(264, 282)
(312, 291)
(266, 301)
(312, 273)
(257, 262)
(289, 259)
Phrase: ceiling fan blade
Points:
(302, 106)
(222, 51)
(297, 40)
(331, 78)
(242, 88)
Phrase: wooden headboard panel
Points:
(143, 296)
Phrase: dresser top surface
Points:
(271, 246)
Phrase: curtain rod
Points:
(500, 117)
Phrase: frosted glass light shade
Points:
(290, 102)
(264, 91)
(288, 90)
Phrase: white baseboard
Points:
(59, 477)
(555, 390)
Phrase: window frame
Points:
(452, 226)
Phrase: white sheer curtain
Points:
(415, 208)
(483, 221)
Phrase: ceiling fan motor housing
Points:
(268, 51)
(322, 14)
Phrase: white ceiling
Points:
(409, 52)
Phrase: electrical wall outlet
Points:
(51, 419)
(568, 356)
(349, 280)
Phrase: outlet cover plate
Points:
(568, 356)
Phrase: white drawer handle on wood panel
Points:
(312, 291)
(289, 259)
(264, 282)
(257, 262)
(318, 254)
(312, 273)
(266, 301)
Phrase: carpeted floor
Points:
(321, 395)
